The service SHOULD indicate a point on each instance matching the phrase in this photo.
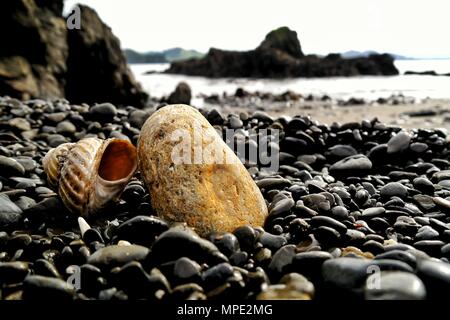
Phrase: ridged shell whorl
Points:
(90, 173)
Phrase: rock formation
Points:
(41, 58)
(97, 68)
(182, 94)
(34, 50)
(280, 56)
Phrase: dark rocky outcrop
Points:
(426, 73)
(280, 56)
(283, 39)
(97, 68)
(41, 58)
(34, 50)
(182, 94)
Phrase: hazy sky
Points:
(414, 27)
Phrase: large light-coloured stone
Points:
(209, 190)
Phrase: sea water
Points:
(367, 87)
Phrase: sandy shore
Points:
(429, 113)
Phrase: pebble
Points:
(235, 123)
(65, 127)
(45, 268)
(442, 203)
(373, 212)
(137, 118)
(400, 255)
(309, 263)
(318, 221)
(394, 285)
(341, 151)
(104, 112)
(45, 288)
(138, 284)
(431, 247)
(141, 230)
(27, 163)
(13, 272)
(217, 275)
(293, 286)
(424, 185)
(235, 199)
(246, 236)
(281, 207)
(10, 213)
(424, 201)
(327, 236)
(227, 243)
(398, 143)
(10, 167)
(426, 233)
(272, 242)
(418, 147)
(25, 202)
(445, 251)
(356, 165)
(345, 273)
(186, 270)
(20, 124)
(116, 255)
(282, 259)
(394, 189)
(436, 276)
(182, 242)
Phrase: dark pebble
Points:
(182, 242)
(103, 112)
(318, 221)
(394, 285)
(281, 260)
(398, 143)
(327, 236)
(436, 276)
(13, 272)
(10, 213)
(115, 255)
(227, 243)
(10, 167)
(394, 189)
(399, 255)
(431, 247)
(373, 212)
(357, 165)
(217, 275)
(246, 236)
(142, 230)
(424, 185)
(272, 242)
(46, 288)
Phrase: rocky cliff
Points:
(279, 56)
(41, 58)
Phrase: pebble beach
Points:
(358, 209)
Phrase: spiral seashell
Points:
(90, 173)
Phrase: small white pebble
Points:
(84, 226)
